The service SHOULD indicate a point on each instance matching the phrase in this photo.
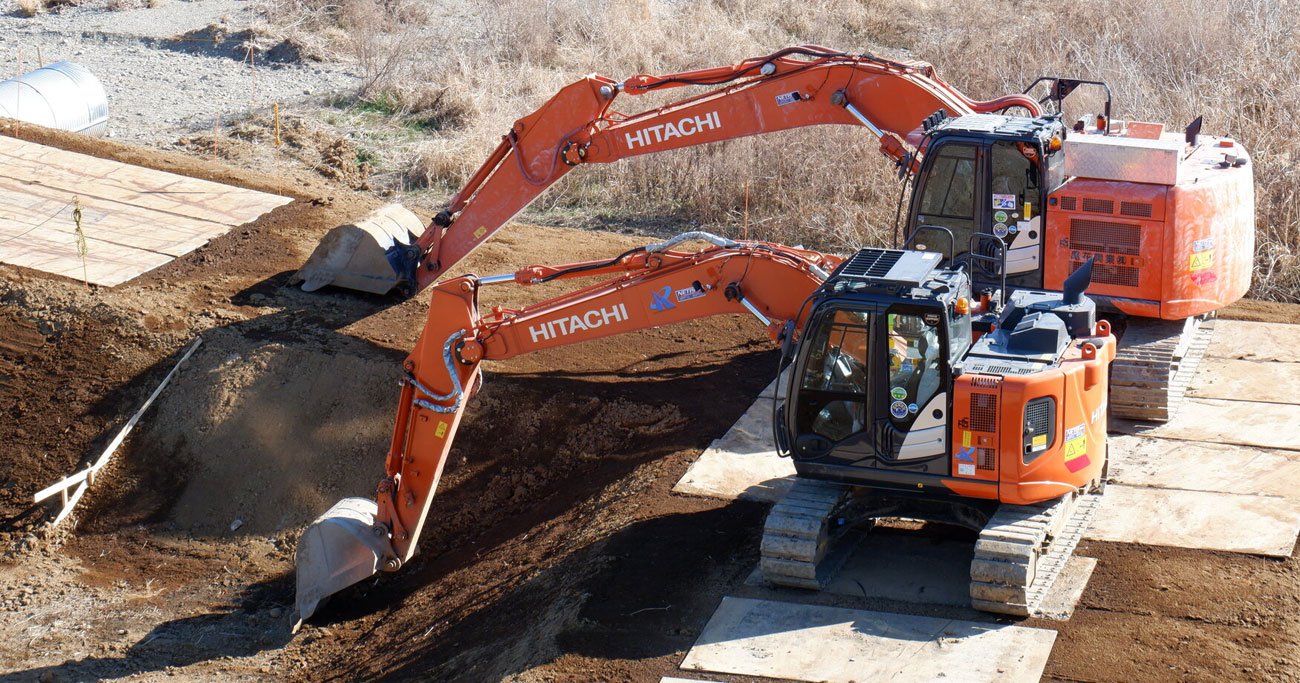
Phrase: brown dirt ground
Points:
(556, 550)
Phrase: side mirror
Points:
(787, 340)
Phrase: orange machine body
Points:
(1169, 250)
(989, 416)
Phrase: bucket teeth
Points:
(368, 255)
(337, 550)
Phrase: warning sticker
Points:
(965, 438)
(688, 293)
(966, 470)
(441, 430)
(1004, 201)
(1039, 442)
(1076, 449)
(1201, 261)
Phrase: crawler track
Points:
(1154, 365)
(1023, 549)
(799, 531)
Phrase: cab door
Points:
(1014, 213)
(871, 388)
(831, 394)
(913, 425)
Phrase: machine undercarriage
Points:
(1155, 364)
(1020, 552)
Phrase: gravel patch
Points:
(161, 86)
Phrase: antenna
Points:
(1193, 131)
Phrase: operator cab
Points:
(985, 179)
(889, 344)
(878, 354)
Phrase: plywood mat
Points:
(134, 219)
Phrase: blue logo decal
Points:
(966, 454)
(660, 301)
(898, 409)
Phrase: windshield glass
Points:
(832, 402)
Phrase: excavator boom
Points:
(792, 88)
(654, 286)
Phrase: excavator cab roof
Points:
(897, 275)
(998, 127)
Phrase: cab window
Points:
(1015, 177)
(915, 362)
(959, 331)
(834, 383)
(950, 187)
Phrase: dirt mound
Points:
(246, 45)
(258, 437)
(263, 436)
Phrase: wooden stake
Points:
(279, 177)
(252, 64)
(744, 230)
(82, 247)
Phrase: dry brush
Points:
(492, 61)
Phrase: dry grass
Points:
(1167, 60)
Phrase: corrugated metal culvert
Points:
(62, 95)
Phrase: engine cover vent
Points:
(1106, 274)
(983, 412)
(1106, 237)
(1093, 205)
(1137, 209)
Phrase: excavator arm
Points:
(653, 286)
(792, 88)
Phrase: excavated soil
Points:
(555, 551)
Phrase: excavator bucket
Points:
(339, 549)
(360, 255)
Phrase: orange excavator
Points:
(1168, 217)
(907, 397)
(992, 415)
